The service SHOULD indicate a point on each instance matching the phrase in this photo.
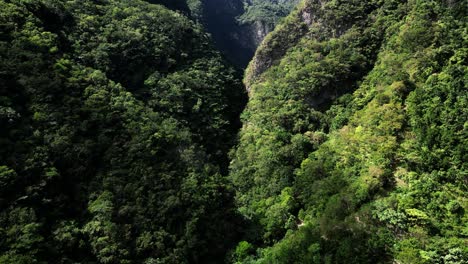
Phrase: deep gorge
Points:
(233, 131)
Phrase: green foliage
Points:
(292, 249)
(116, 118)
(7, 178)
(266, 11)
(377, 90)
(243, 250)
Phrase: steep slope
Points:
(115, 122)
(354, 143)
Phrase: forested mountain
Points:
(125, 136)
(115, 122)
(354, 143)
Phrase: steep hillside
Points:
(115, 122)
(354, 143)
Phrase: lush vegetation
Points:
(269, 12)
(354, 143)
(115, 122)
(119, 138)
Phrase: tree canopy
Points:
(354, 143)
(116, 118)
(125, 138)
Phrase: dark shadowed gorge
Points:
(239, 26)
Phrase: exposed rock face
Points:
(259, 31)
